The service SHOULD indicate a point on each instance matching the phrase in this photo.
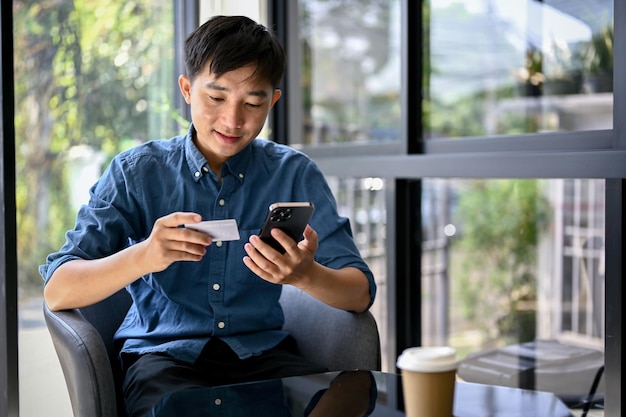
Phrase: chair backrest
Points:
(107, 316)
(83, 340)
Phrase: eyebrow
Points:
(257, 93)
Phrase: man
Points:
(206, 312)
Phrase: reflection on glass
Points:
(507, 262)
(496, 67)
(348, 394)
(350, 70)
(262, 399)
(91, 78)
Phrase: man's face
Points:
(228, 112)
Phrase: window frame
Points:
(8, 246)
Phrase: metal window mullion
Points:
(576, 258)
(9, 375)
(615, 253)
(557, 277)
(590, 255)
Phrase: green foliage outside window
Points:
(90, 73)
(496, 280)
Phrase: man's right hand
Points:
(168, 242)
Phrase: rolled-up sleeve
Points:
(101, 227)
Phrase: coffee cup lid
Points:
(428, 359)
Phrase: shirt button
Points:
(205, 169)
(221, 324)
(216, 287)
(222, 202)
(197, 174)
(241, 175)
(218, 401)
(219, 243)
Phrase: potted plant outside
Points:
(598, 58)
(563, 69)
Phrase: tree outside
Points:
(95, 76)
(495, 275)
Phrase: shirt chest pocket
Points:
(236, 271)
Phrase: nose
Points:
(232, 117)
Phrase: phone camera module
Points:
(281, 215)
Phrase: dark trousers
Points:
(148, 377)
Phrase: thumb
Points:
(310, 239)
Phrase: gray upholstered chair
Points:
(83, 340)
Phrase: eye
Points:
(216, 99)
(253, 105)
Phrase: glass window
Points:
(509, 262)
(362, 200)
(350, 71)
(496, 67)
(91, 79)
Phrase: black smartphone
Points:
(291, 217)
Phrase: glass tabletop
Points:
(349, 394)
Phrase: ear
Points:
(184, 83)
(276, 96)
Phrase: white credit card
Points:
(218, 229)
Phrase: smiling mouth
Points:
(226, 137)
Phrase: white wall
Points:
(254, 9)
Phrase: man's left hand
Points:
(287, 268)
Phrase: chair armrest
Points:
(85, 363)
(336, 339)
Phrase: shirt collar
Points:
(199, 166)
(238, 164)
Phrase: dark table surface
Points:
(347, 394)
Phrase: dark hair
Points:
(231, 42)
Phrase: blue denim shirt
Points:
(178, 310)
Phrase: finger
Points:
(261, 253)
(254, 267)
(164, 252)
(171, 228)
(310, 241)
(178, 218)
(187, 255)
(284, 239)
(196, 249)
(193, 236)
(180, 239)
(309, 232)
(264, 275)
(173, 241)
(263, 249)
(259, 265)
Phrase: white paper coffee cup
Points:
(428, 359)
(428, 379)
